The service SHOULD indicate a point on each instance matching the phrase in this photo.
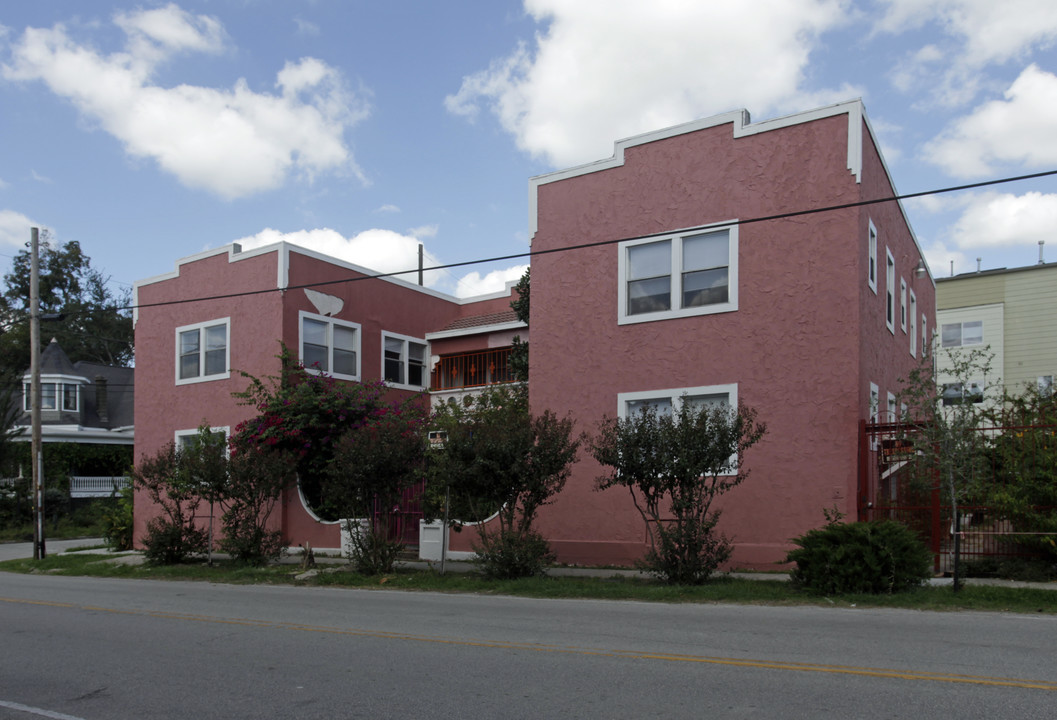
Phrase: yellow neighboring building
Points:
(1011, 312)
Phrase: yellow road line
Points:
(575, 650)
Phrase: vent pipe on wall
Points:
(1041, 243)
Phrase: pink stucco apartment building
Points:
(685, 265)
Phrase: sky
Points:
(150, 131)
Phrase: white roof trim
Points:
(742, 127)
(475, 330)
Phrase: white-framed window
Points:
(203, 351)
(54, 395)
(892, 416)
(184, 438)
(679, 275)
(875, 402)
(913, 324)
(903, 305)
(329, 345)
(925, 349)
(962, 334)
(670, 400)
(959, 393)
(890, 291)
(871, 268)
(404, 361)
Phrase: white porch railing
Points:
(85, 487)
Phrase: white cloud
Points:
(474, 283)
(383, 251)
(1016, 130)
(1002, 220)
(386, 251)
(388, 209)
(4, 184)
(939, 257)
(15, 229)
(232, 142)
(423, 231)
(600, 70)
(990, 31)
(306, 28)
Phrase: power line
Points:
(598, 243)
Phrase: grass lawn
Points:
(721, 589)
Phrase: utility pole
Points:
(34, 389)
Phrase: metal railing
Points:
(476, 369)
(898, 483)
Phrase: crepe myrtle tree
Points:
(944, 415)
(675, 465)
(499, 459)
(376, 460)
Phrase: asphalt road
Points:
(105, 648)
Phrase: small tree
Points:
(256, 477)
(500, 458)
(1025, 461)
(946, 414)
(375, 462)
(674, 466)
(171, 536)
(519, 353)
(305, 414)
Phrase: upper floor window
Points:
(329, 345)
(53, 396)
(404, 361)
(924, 336)
(679, 275)
(903, 305)
(913, 324)
(962, 334)
(871, 269)
(202, 351)
(890, 291)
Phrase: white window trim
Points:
(675, 395)
(677, 263)
(890, 291)
(903, 305)
(961, 334)
(871, 259)
(875, 402)
(925, 350)
(226, 322)
(892, 408)
(59, 381)
(913, 324)
(405, 359)
(226, 429)
(330, 344)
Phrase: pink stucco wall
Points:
(793, 347)
(258, 324)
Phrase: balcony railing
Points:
(467, 370)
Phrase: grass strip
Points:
(721, 589)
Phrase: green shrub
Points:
(167, 542)
(370, 550)
(861, 557)
(117, 522)
(509, 554)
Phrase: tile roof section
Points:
(499, 318)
